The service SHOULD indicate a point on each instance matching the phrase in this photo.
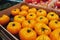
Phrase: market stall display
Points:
(31, 26)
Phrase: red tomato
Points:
(28, 1)
(38, 1)
(57, 4)
(46, 1)
(31, 1)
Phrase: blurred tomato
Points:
(31, 1)
(28, 1)
(57, 3)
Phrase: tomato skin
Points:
(38, 1)
(28, 1)
(57, 4)
(31, 1)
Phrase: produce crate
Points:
(5, 35)
(8, 11)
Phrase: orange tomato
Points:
(4, 19)
(42, 28)
(41, 12)
(23, 13)
(54, 24)
(32, 10)
(14, 27)
(52, 16)
(27, 34)
(28, 23)
(31, 16)
(15, 12)
(42, 19)
(19, 18)
(24, 7)
(55, 35)
(43, 37)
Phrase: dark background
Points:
(6, 4)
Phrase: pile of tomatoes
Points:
(39, 2)
(33, 24)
